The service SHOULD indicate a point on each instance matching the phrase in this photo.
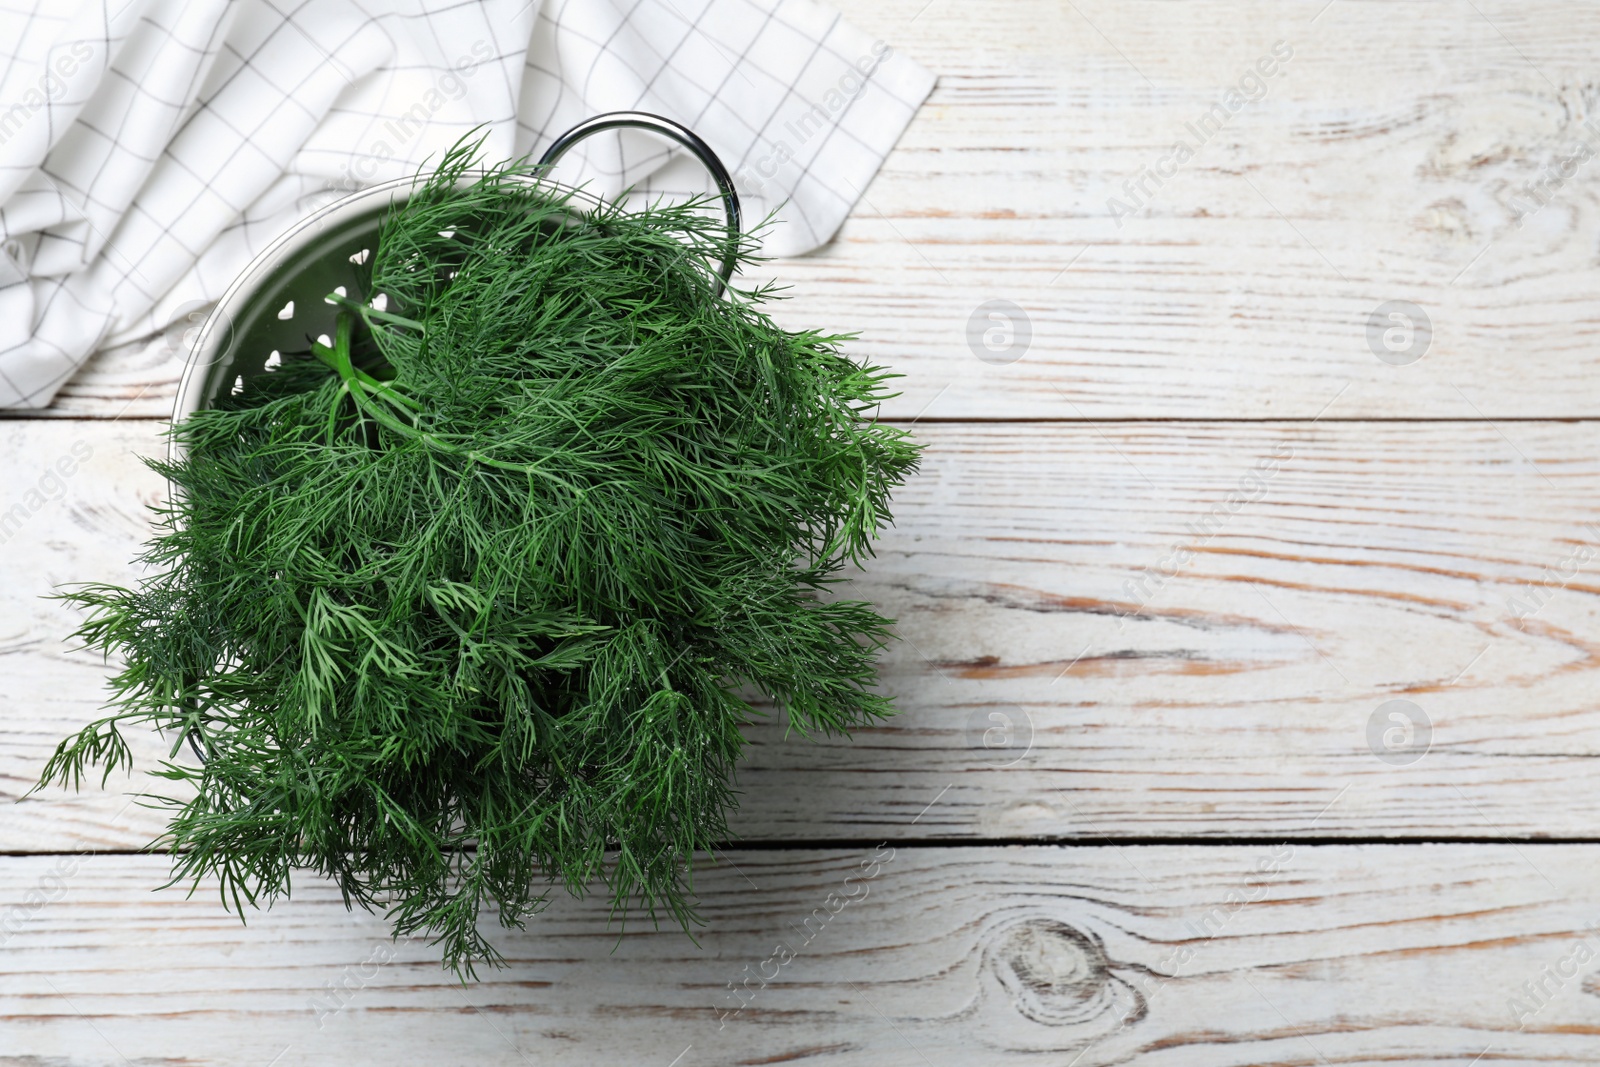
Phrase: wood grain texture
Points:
(1386, 161)
(1367, 562)
(1171, 955)
(1174, 630)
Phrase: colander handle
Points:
(644, 120)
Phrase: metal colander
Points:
(276, 304)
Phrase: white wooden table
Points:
(1169, 563)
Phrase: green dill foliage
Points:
(458, 608)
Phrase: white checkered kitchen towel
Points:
(149, 148)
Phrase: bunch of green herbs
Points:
(459, 607)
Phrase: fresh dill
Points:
(458, 608)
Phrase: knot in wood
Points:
(1057, 975)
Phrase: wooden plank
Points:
(1237, 696)
(1393, 157)
(1269, 954)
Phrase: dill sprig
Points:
(458, 608)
